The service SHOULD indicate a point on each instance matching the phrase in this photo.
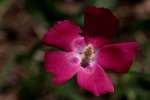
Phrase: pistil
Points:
(87, 56)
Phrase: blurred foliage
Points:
(22, 74)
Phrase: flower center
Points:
(87, 56)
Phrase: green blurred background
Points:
(22, 25)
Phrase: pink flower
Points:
(88, 55)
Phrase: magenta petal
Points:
(100, 22)
(97, 42)
(94, 80)
(117, 57)
(62, 35)
(62, 65)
